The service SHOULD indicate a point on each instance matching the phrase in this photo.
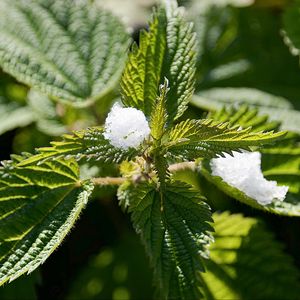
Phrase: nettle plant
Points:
(75, 53)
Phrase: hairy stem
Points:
(191, 165)
(108, 180)
(103, 181)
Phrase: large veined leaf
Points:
(191, 139)
(158, 123)
(88, 144)
(166, 50)
(277, 108)
(174, 228)
(70, 50)
(246, 262)
(38, 207)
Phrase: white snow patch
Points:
(126, 127)
(243, 171)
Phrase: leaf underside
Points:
(38, 207)
(13, 115)
(167, 50)
(173, 225)
(246, 262)
(70, 50)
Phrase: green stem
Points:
(104, 181)
(108, 181)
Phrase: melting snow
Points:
(126, 127)
(243, 171)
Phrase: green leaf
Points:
(88, 144)
(13, 115)
(69, 50)
(277, 108)
(167, 50)
(174, 228)
(283, 165)
(161, 167)
(245, 117)
(159, 114)
(191, 139)
(45, 114)
(246, 262)
(38, 207)
(13, 110)
(158, 127)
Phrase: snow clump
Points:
(126, 127)
(243, 171)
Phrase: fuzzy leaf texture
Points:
(206, 138)
(246, 262)
(38, 207)
(167, 50)
(174, 227)
(88, 144)
(70, 50)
